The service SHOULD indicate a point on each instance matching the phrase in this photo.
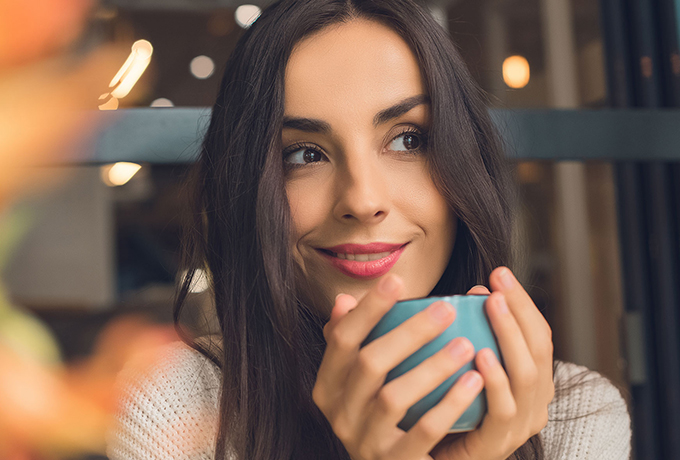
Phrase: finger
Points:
(519, 363)
(349, 331)
(385, 353)
(435, 423)
(535, 328)
(478, 290)
(344, 303)
(532, 323)
(501, 405)
(344, 334)
(536, 331)
(503, 412)
(396, 397)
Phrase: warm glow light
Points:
(162, 102)
(202, 67)
(516, 72)
(111, 104)
(245, 15)
(118, 173)
(134, 67)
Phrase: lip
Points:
(371, 248)
(364, 270)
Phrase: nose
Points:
(362, 191)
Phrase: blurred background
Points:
(584, 91)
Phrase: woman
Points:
(352, 130)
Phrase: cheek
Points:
(426, 205)
(429, 211)
(307, 208)
(441, 222)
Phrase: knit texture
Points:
(170, 411)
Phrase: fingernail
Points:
(388, 285)
(471, 380)
(459, 347)
(502, 305)
(506, 278)
(489, 357)
(336, 297)
(442, 311)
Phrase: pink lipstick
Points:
(363, 261)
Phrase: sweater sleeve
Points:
(588, 418)
(168, 410)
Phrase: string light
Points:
(129, 73)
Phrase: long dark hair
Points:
(272, 343)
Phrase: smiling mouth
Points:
(363, 266)
(358, 257)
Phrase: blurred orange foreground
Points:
(51, 410)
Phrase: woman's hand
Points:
(350, 388)
(517, 400)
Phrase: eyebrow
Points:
(313, 125)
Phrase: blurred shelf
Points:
(173, 135)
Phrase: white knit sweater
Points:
(170, 412)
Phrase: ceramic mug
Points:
(471, 322)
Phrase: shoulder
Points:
(588, 417)
(167, 409)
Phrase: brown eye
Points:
(408, 141)
(311, 156)
(411, 142)
(303, 156)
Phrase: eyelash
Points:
(301, 145)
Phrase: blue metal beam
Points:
(173, 135)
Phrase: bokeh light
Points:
(119, 173)
(516, 72)
(162, 102)
(199, 282)
(202, 67)
(245, 15)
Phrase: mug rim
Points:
(441, 297)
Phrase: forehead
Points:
(360, 66)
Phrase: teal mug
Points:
(471, 322)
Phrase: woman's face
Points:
(356, 112)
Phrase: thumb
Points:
(478, 290)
